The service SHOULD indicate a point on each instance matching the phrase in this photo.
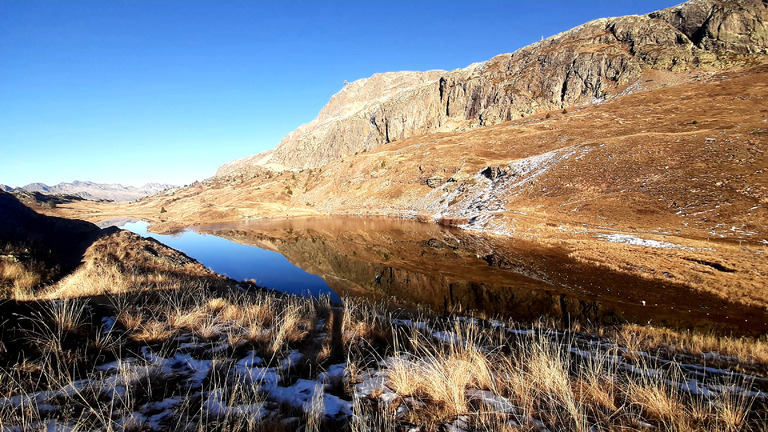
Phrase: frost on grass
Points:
(429, 373)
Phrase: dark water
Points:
(448, 270)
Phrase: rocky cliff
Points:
(594, 61)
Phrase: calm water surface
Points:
(268, 268)
(408, 263)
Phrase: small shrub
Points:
(163, 210)
(565, 111)
(549, 115)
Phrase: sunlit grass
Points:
(436, 370)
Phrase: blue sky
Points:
(166, 91)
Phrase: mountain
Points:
(663, 176)
(593, 62)
(94, 191)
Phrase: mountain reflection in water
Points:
(450, 270)
(267, 268)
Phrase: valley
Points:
(569, 237)
(666, 184)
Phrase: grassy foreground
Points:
(140, 337)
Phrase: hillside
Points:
(571, 237)
(667, 183)
(593, 62)
(141, 337)
(55, 242)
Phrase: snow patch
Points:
(637, 241)
(480, 198)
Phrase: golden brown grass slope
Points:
(166, 351)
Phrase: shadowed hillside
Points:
(56, 241)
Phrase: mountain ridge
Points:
(594, 61)
(93, 191)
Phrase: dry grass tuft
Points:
(18, 279)
(441, 373)
(153, 331)
(656, 400)
(747, 352)
(290, 326)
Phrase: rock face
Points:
(586, 63)
(94, 191)
(738, 26)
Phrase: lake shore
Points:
(142, 337)
(666, 279)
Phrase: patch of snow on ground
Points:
(447, 337)
(249, 361)
(420, 325)
(497, 403)
(301, 393)
(334, 373)
(195, 370)
(292, 359)
(637, 241)
(107, 324)
(479, 200)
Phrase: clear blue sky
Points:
(166, 91)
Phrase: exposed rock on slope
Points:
(595, 60)
(738, 26)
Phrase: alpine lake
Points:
(411, 265)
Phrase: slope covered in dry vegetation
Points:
(662, 178)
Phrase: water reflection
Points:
(452, 270)
(267, 268)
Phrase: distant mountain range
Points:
(93, 191)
